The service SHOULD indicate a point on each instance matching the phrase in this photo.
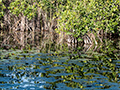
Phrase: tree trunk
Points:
(22, 30)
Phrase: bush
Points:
(79, 17)
(75, 17)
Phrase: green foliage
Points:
(23, 7)
(79, 16)
(2, 7)
(51, 7)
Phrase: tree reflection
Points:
(57, 70)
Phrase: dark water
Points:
(60, 71)
(84, 68)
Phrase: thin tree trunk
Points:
(33, 30)
(22, 30)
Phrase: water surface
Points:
(45, 71)
(82, 68)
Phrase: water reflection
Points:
(20, 77)
(43, 71)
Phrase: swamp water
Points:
(33, 70)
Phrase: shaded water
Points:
(33, 70)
